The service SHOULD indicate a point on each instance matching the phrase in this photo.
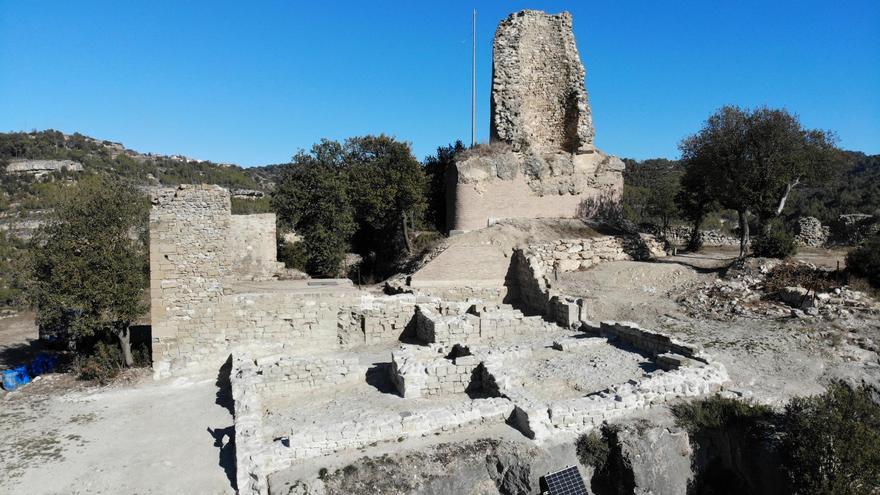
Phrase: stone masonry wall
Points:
(533, 267)
(199, 251)
(538, 97)
(252, 245)
(479, 325)
(283, 374)
(188, 266)
(424, 372)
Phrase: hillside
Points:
(36, 166)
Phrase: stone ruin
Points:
(320, 367)
(542, 161)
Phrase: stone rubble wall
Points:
(538, 95)
(648, 341)
(533, 269)
(199, 254)
(582, 414)
(188, 267)
(258, 455)
(425, 372)
(283, 374)
(307, 442)
(687, 373)
(252, 463)
(541, 161)
(681, 235)
(479, 325)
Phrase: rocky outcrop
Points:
(39, 168)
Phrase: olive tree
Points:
(751, 160)
(88, 263)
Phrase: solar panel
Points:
(566, 482)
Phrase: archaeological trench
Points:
(481, 386)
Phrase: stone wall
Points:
(538, 97)
(680, 235)
(188, 266)
(282, 374)
(201, 260)
(426, 371)
(252, 245)
(533, 267)
(479, 325)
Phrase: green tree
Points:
(751, 160)
(88, 264)
(387, 187)
(436, 167)
(831, 442)
(311, 198)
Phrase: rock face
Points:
(541, 162)
(42, 167)
(538, 97)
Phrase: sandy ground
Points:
(59, 436)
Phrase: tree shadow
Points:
(20, 354)
(224, 387)
(224, 438)
(378, 377)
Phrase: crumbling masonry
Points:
(542, 162)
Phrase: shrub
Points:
(777, 242)
(593, 450)
(718, 412)
(105, 360)
(799, 275)
(864, 260)
(832, 442)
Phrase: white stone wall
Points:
(425, 372)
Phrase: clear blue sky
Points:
(252, 82)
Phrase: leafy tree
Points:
(436, 167)
(87, 266)
(387, 189)
(751, 160)
(832, 442)
(865, 260)
(312, 198)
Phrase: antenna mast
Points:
(474, 83)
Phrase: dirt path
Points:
(147, 438)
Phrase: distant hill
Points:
(36, 166)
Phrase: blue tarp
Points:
(16, 377)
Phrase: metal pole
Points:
(474, 83)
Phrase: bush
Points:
(799, 275)
(717, 413)
(777, 242)
(593, 450)
(832, 442)
(105, 361)
(864, 260)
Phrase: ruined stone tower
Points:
(538, 97)
(541, 162)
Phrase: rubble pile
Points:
(743, 292)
